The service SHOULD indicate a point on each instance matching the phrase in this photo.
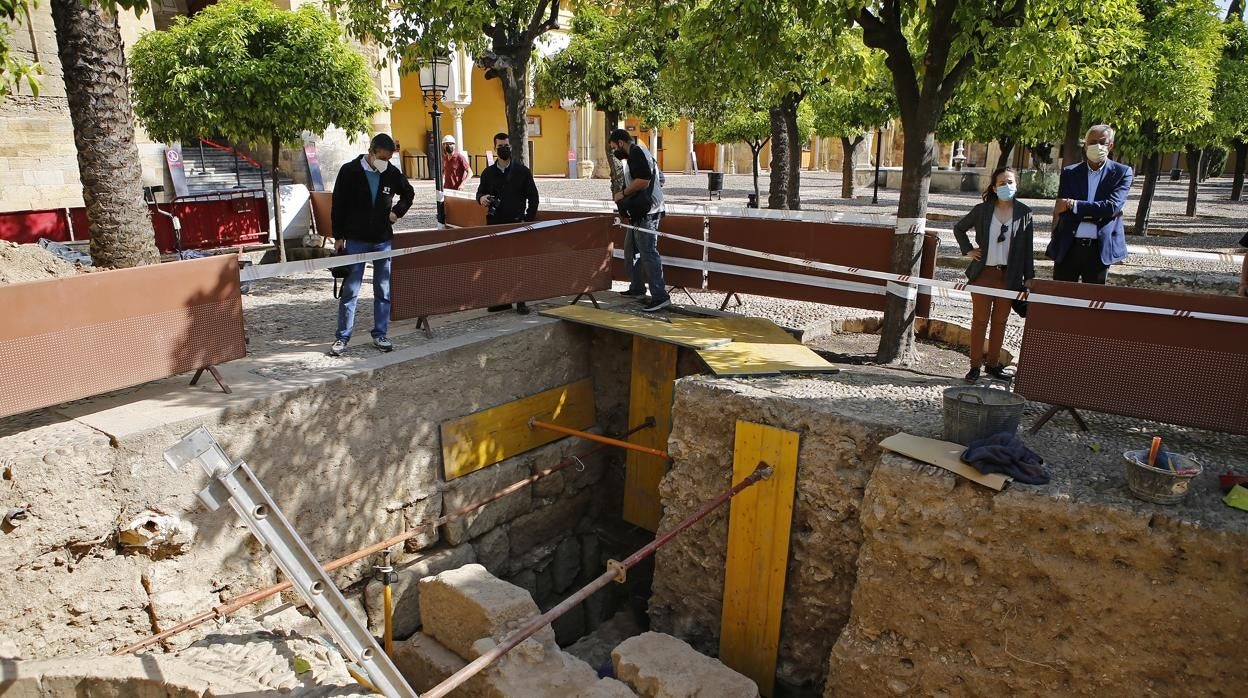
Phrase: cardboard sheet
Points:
(942, 454)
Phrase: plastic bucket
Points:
(1160, 485)
(974, 413)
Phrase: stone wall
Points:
(916, 582)
(38, 160)
(351, 460)
(965, 591)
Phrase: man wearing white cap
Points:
(455, 168)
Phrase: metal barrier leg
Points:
(588, 295)
(422, 323)
(729, 297)
(1053, 410)
(225, 388)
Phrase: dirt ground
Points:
(933, 358)
(30, 263)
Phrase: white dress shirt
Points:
(1087, 229)
(999, 252)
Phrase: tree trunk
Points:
(793, 190)
(1195, 160)
(617, 171)
(514, 73)
(97, 85)
(756, 150)
(1152, 170)
(1235, 10)
(1072, 146)
(778, 196)
(1241, 165)
(897, 334)
(277, 200)
(1007, 146)
(849, 164)
(1206, 158)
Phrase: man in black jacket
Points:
(509, 194)
(363, 213)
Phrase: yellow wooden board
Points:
(942, 454)
(487, 437)
(759, 347)
(650, 395)
(691, 337)
(759, 522)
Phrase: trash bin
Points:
(752, 201)
(714, 184)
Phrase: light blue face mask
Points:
(1005, 192)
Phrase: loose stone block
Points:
(463, 605)
(660, 666)
(405, 593)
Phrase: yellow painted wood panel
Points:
(496, 434)
(691, 337)
(650, 395)
(759, 347)
(760, 521)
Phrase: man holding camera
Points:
(641, 202)
(509, 195)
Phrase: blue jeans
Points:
(646, 246)
(351, 291)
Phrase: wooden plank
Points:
(498, 433)
(650, 395)
(691, 337)
(760, 521)
(759, 347)
(942, 454)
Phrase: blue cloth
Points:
(1005, 453)
(1102, 207)
(644, 247)
(65, 252)
(351, 291)
(374, 180)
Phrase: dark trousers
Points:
(1082, 263)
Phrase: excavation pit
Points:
(901, 578)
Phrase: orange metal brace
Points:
(538, 424)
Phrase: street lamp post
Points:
(435, 80)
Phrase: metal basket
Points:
(974, 413)
(1159, 485)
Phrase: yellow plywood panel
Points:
(487, 437)
(759, 348)
(650, 395)
(691, 336)
(759, 523)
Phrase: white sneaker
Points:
(654, 307)
(338, 347)
(383, 343)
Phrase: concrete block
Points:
(660, 666)
(460, 606)
(477, 486)
(493, 550)
(546, 523)
(406, 591)
(423, 512)
(173, 600)
(424, 662)
(607, 688)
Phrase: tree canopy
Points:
(244, 69)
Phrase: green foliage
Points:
(1167, 84)
(735, 123)
(1230, 95)
(841, 111)
(244, 69)
(613, 60)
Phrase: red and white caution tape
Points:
(921, 285)
(269, 271)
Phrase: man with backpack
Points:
(363, 214)
(641, 202)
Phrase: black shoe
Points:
(654, 307)
(972, 375)
(633, 294)
(498, 308)
(1000, 372)
(522, 309)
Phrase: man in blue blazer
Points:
(1088, 235)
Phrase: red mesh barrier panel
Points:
(66, 339)
(557, 261)
(1177, 370)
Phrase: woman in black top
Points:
(1001, 257)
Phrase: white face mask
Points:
(1097, 153)
(379, 164)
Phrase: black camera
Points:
(492, 211)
